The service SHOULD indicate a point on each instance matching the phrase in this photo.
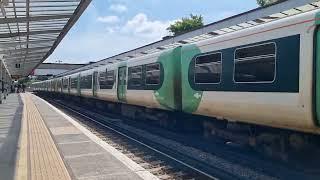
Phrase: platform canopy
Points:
(30, 30)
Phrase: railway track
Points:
(166, 158)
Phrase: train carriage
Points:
(261, 75)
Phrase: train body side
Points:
(284, 102)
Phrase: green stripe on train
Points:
(169, 94)
(176, 92)
(190, 98)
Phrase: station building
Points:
(47, 70)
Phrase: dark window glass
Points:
(74, 83)
(255, 64)
(135, 76)
(86, 82)
(259, 50)
(59, 84)
(208, 68)
(106, 79)
(153, 74)
(65, 83)
(51, 86)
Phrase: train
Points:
(264, 80)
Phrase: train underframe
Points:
(280, 144)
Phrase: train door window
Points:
(106, 79)
(86, 82)
(153, 74)
(208, 68)
(65, 83)
(74, 82)
(59, 84)
(135, 77)
(255, 63)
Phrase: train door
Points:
(94, 83)
(69, 84)
(122, 83)
(317, 74)
(78, 84)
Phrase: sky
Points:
(110, 27)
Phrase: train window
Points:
(59, 84)
(255, 63)
(135, 76)
(65, 83)
(74, 83)
(86, 82)
(208, 68)
(51, 86)
(153, 74)
(106, 79)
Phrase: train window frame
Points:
(64, 84)
(85, 77)
(130, 85)
(264, 56)
(75, 79)
(195, 65)
(145, 80)
(109, 86)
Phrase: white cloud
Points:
(98, 43)
(95, 46)
(119, 8)
(140, 25)
(108, 19)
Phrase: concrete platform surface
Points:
(10, 122)
(38, 141)
(84, 154)
(84, 158)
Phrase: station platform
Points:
(38, 141)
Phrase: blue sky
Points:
(109, 27)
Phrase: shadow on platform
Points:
(10, 123)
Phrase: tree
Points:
(186, 24)
(267, 2)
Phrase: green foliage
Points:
(267, 2)
(186, 24)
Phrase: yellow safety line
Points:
(39, 148)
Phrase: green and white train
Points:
(265, 76)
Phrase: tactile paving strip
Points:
(44, 160)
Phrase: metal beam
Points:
(24, 49)
(14, 44)
(9, 35)
(33, 18)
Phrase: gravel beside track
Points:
(168, 158)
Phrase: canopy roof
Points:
(30, 30)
